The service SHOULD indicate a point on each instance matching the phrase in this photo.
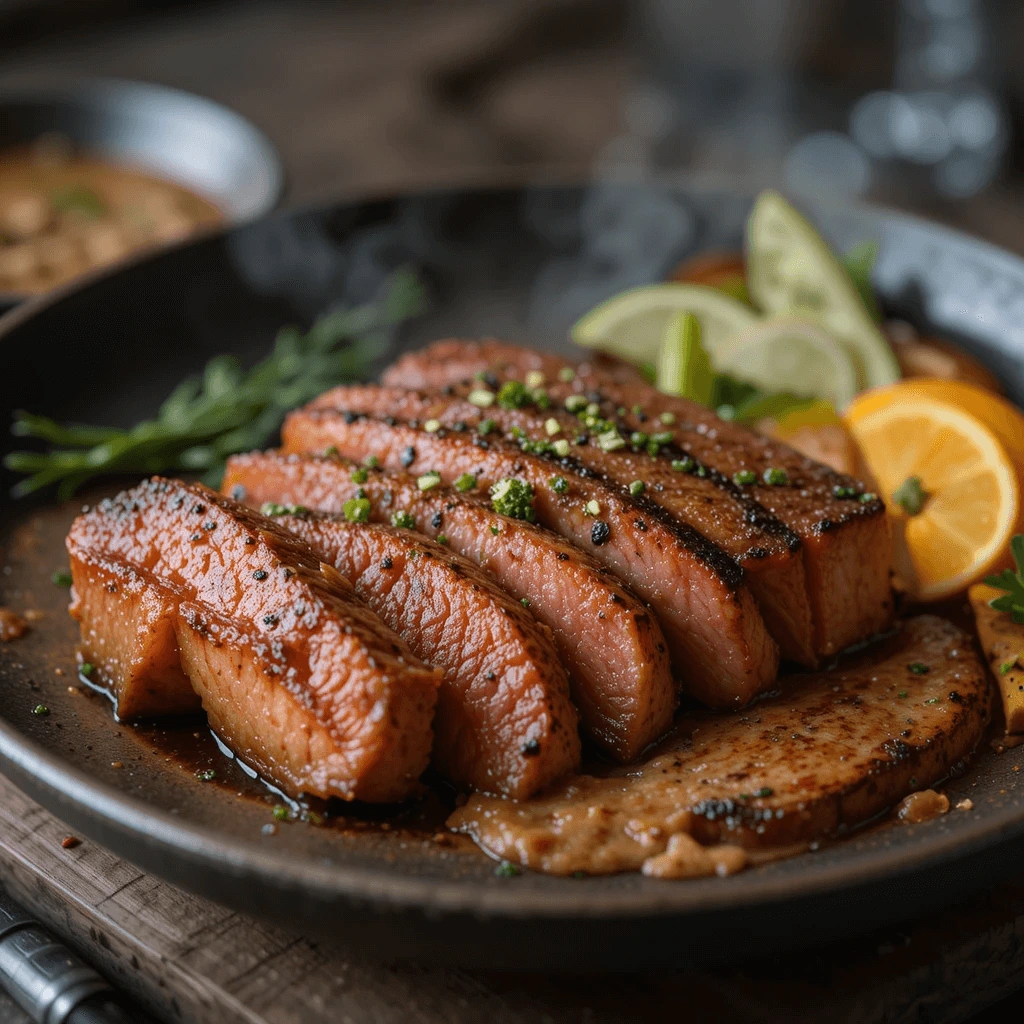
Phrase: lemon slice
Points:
(968, 488)
(790, 269)
(791, 355)
(632, 324)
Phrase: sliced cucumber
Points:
(632, 324)
(791, 270)
(795, 356)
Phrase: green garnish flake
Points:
(867, 497)
(359, 476)
(226, 409)
(370, 462)
(1012, 582)
(403, 520)
(466, 482)
(525, 602)
(428, 481)
(432, 426)
(61, 578)
(41, 709)
(919, 668)
(840, 491)
(206, 775)
(744, 477)
(356, 510)
(558, 484)
(534, 379)
(636, 488)
(552, 427)
(481, 398)
(575, 403)
(495, 529)
(902, 694)
(86, 669)
(566, 374)
(910, 496)
(765, 791)
(331, 451)
(592, 508)
(683, 465)
(610, 441)
(1008, 666)
(513, 394)
(78, 199)
(485, 427)
(932, 700)
(280, 812)
(506, 869)
(560, 447)
(514, 498)
(668, 418)
(442, 538)
(272, 508)
(775, 477)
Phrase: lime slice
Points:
(795, 356)
(632, 324)
(790, 269)
(684, 367)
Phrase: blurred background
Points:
(917, 103)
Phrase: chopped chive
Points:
(485, 427)
(636, 488)
(592, 508)
(41, 709)
(667, 418)
(683, 465)
(359, 476)
(280, 812)
(775, 477)
(442, 538)
(574, 403)
(506, 869)
(428, 481)
(402, 519)
(525, 602)
(610, 441)
(867, 497)
(481, 398)
(206, 775)
(356, 510)
(371, 462)
(551, 427)
(331, 451)
(558, 484)
(535, 379)
(466, 482)
(566, 374)
(919, 668)
(743, 477)
(432, 426)
(495, 529)
(560, 447)
(86, 669)
(62, 578)
(513, 395)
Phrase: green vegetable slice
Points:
(786, 354)
(632, 324)
(684, 367)
(790, 270)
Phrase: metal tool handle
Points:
(49, 982)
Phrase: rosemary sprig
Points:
(228, 409)
(1012, 582)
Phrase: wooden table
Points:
(360, 97)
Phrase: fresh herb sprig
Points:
(228, 409)
(1012, 582)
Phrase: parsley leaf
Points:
(1012, 582)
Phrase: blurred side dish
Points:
(63, 213)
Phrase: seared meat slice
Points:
(831, 751)
(616, 654)
(714, 630)
(504, 722)
(718, 507)
(845, 541)
(298, 676)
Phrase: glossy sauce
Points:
(62, 214)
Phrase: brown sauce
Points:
(12, 625)
(62, 214)
(925, 805)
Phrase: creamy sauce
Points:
(62, 214)
(830, 751)
(922, 806)
(12, 625)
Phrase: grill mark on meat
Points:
(718, 638)
(829, 752)
(300, 679)
(619, 666)
(504, 690)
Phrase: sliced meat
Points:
(700, 497)
(828, 753)
(504, 722)
(716, 634)
(297, 675)
(846, 550)
(617, 658)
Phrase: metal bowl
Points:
(176, 135)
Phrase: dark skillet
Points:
(521, 264)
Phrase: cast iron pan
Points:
(520, 264)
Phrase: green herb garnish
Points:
(910, 495)
(506, 869)
(272, 508)
(41, 709)
(1012, 582)
(513, 497)
(859, 263)
(356, 510)
(206, 775)
(558, 484)
(919, 668)
(402, 519)
(466, 482)
(636, 488)
(227, 410)
(62, 578)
